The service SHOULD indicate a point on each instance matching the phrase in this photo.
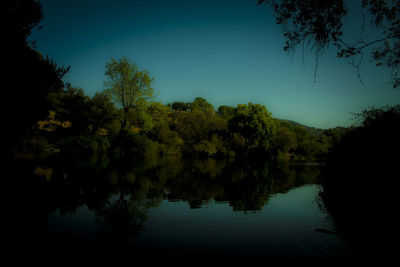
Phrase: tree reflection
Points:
(122, 218)
(247, 187)
(252, 185)
(121, 195)
(123, 215)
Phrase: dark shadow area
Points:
(30, 79)
(360, 184)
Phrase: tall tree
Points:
(127, 84)
(318, 24)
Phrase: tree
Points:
(226, 112)
(201, 129)
(180, 106)
(201, 104)
(319, 24)
(375, 117)
(285, 139)
(102, 111)
(158, 112)
(138, 117)
(29, 77)
(127, 84)
(74, 106)
(21, 18)
(255, 124)
(197, 125)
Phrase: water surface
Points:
(178, 209)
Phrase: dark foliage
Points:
(360, 178)
(319, 24)
(180, 106)
(29, 77)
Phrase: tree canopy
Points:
(201, 104)
(127, 84)
(255, 124)
(320, 24)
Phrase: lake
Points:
(179, 209)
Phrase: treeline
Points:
(79, 124)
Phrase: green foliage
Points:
(130, 145)
(205, 148)
(127, 84)
(180, 106)
(103, 143)
(74, 106)
(102, 111)
(159, 113)
(307, 145)
(333, 136)
(254, 123)
(155, 128)
(113, 128)
(197, 128)
(169, 141)
(238, 142)
(139, 119)
(200, 104)
(212, 147)
(226, 112)
(84, 144)
(285, 139)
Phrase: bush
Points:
(84, 144)
(103, 143)
(128, 144)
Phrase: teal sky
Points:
(227, 51)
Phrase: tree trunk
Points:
(125, 121)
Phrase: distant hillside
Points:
(312, 130)
(317, 131)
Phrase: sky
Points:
(227, 51)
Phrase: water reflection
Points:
(123, 217)
(122, 195)
(120, 198)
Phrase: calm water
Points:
(173, 208)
